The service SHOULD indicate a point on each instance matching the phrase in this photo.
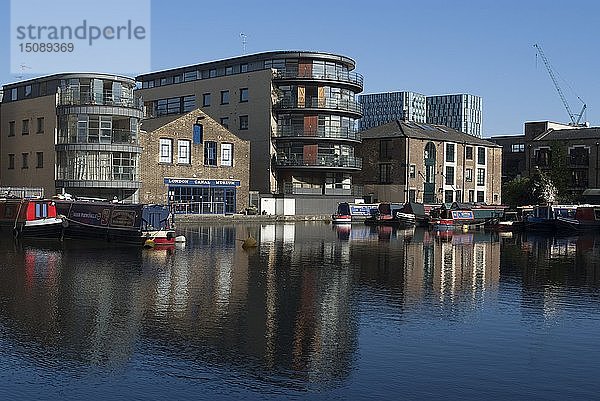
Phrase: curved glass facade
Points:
(97, 144)
(317, 124)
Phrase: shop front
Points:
(200, 196)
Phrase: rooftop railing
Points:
(339, 76)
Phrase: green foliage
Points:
(559, 172)
(517, 192)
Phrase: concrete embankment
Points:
(242, 218)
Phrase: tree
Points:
(517, 192)
(542, 189)
(559, 173)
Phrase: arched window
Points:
(429, 151)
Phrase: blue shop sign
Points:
(200, 182)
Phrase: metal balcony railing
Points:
(320, 132)
(117, 137)
(74, 97)
(319, 161)
(315, 103)
(344, 77)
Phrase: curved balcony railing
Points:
(114, 136)
(352, 78)
(72, 97)
(350, 106)
(320, 132)
(319, 161)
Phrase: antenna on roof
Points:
(244, 37)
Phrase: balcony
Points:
(289, 132)
(113, 136)
(320, 161)
(73, 97)
(349, 107)
(351, 79)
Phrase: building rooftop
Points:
(411, 129)
(568, 134)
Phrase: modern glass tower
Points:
(461, 112)
(381, 108)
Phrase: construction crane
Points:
(574, 122)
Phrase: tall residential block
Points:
(381, 108)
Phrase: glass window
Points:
(183, 152)
(166, 149)
(225, 122)
(27, 90)
(480, 176)
(469, 153)
(210, 153)
(480, 155)
(517, 147)
(244, 67)
(189, 103)
(40, 159)
(469, 174)
(206, 100)
(243, 95)
(190, 76)
(25, 127)
(243, 122)
(385, 147)
(11, 161)
(228, 70)
(385, 173)
(448, 196)
(224, 97)
(450, 152)
(212, 73)
(25, 159)
(11, 128)
(227, 154)
(40, 125)
(471, 195)
(412, 171)
(13, 94)
(449, 175)
(480, 196)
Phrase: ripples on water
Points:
(315, 311)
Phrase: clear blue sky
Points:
(431, 47)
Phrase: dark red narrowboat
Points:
(31, 218)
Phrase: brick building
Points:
(407, 161)
(194, 163)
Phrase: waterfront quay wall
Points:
(211, 218)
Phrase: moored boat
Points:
(586, 218)
(138, 224)
(30, 218)
(545, 217)
(349, 212)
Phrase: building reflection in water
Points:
(289, 307)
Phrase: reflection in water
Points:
(291, 315)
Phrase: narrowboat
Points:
(348, 212)
(451, 216)
(544, 217)
(391, 214)
(138, 224)
(30, 218)
(587, 218)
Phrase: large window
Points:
(449, 175)
(40, 125)
(11, 161)
(25, 159)
(481, 155)
(206, 100)
(469, 153)
(543, 157)
(385, 173)
(450, 152)
(11, 128)
(469, 174)
(224, 97)
(517, 147)
(25, 127)
(243, 95)
(210, 153)
(166, 150)
(227, 154)
(39, 160)
(225, 122)
(579, 156)
(385, 148)
(480, 176)
(183, 152)
(480, 196)
(243, 122)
